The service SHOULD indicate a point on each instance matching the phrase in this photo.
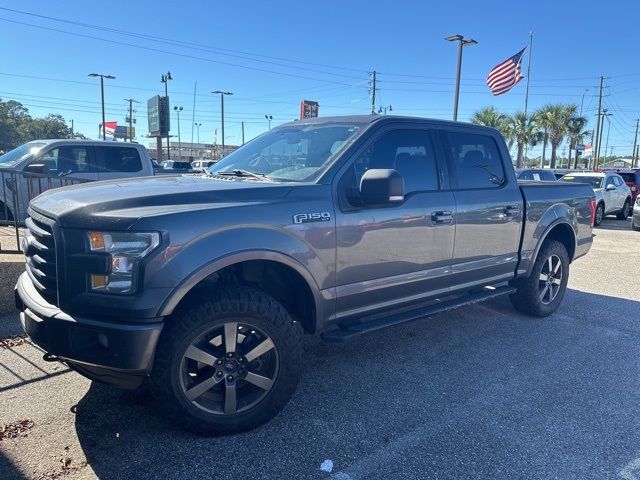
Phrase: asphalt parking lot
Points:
(482, 392)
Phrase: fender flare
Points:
(543, 237)
(213, 266)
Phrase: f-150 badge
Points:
(311, 217)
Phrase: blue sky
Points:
(273, 54)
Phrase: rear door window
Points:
(475, 160)
(118, 159)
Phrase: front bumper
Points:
(117, 352)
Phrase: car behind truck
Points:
(202, 285)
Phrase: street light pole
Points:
(222, 94)
(242, 123)
(164, 78)
(178, 110)
(102, 77)
(269, 118)
(463, 42)
(607, 115)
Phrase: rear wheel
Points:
(227, 363)
(540, 294)
(634, 226)
(624, 213)
(599, 215)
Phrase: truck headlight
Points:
(126, 250)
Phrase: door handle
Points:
(442, 217)
(511, 209)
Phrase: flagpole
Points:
(526, 92)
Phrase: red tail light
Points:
(592, 207)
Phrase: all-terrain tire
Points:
(527, 298)
(624, 213)
(203, 312)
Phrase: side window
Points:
(66, 160)
(548, 176)
(610, 181)
(617, 181)
(475, 160)
(409, 152)
(526, 175)
(118, 159)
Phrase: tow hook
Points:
(47, 357)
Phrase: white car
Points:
(613, 196)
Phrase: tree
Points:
(577, 135)
(51, 126)
(558, 116)
(491, 117)
(524, 130)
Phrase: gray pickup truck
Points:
(201, 286)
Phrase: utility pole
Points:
(596, 151)
(242, 123)
(634, 157)
(222, 94)
(164, 78)
(129, 133)
(178, 110)
(373, 92)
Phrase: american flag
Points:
(506, 74)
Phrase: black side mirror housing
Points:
(36, 168)
(381, 186)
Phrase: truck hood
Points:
(119, 203)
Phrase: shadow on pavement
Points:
(482, 392)
(612, 223)
(8, 471)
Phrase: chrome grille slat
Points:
(41, 258)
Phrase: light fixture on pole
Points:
(463, 42)
(198, 125)
(164, 78)
(383, 110)
(222, 94)
(178, 110)
(269, 118)
(102, 77)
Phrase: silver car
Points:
(635, 221)
(613, 195)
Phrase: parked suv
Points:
(203, 285)
(631, 177)
(613, 196)
(40, 165)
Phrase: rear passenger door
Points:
(488, 208)
(116, 161)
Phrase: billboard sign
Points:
(308, 109)
(158, 115)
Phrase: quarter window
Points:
(475, 160)
(409, 152)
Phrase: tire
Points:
(599, 215)
(536, 297)
(253, 382)
(634, 226)
(624, 213)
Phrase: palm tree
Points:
(491, 117)
(558, 117)
(541, 117)
(576, 135)
(525, 131)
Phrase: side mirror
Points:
(36, 168)
(610, 187)
(381, 186)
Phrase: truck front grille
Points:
(40, 252)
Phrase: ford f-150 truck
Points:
(201, 286)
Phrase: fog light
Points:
(98, 282)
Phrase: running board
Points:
(353, 330)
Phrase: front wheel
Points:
(540, 294)
(624, 213)
(228, 362)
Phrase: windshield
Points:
(595, 182)
(292, 153)
(17, 155)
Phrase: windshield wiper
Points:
(243, 173)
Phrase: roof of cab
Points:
(372, 118)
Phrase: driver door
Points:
(390, 254)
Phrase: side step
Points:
(343, 333)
